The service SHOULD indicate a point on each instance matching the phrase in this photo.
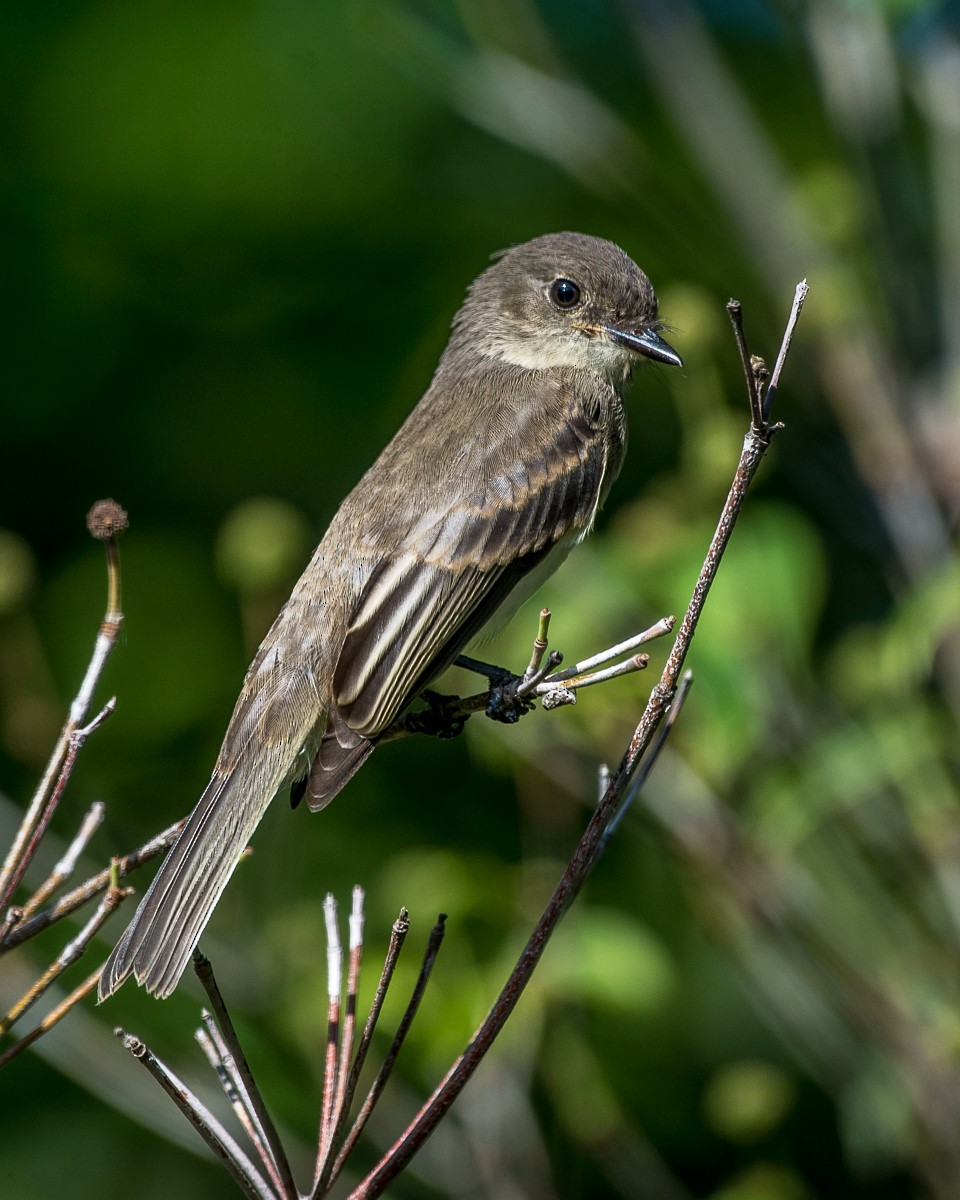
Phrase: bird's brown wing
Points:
(421, 604)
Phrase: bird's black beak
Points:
(645, 341)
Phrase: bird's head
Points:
(564, 300)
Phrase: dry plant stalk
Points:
(105, 522)
(270, 1177)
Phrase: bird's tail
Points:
(160, 939)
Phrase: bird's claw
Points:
(504, 703)
(439, 719)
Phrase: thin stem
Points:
(376, 1089)
(540, 643)
(638, 662)
(649, 759)
(735, 313)
(204, 972)
(398, 935)
(344, 1096)
(66, 958)
(334, 988)
(799, 296)
(54, 1017)
(550, 686)
(68, 862)
(75, 742)
(21, 931)
(662, 627)
(104, 521)
(218, 1054)
(251, 1182)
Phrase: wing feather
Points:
(420, 605)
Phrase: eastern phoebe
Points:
(494, 476)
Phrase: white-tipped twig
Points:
(67, 864)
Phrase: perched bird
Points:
(493, 477)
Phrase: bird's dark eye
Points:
(564, 293)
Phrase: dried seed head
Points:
(106, 520)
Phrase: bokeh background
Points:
(233, 237)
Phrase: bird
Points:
(491, 480)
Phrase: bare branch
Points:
(68, 861)
(735, 313)
(66, 958)
(540, 643)
(346, 1078)
(661, 629)
(218, 1054)
(334, 988)
(105, 521)
(376, 1088)
(798, 298)
(22, 930)
(250, 1180)
(448, 714)
(398, 935)
(54, 1017)
(244, 1076)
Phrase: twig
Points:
(66, 958)
(68, 862)
(24, 930)
(398, 935)
(540, 643)
(353, 989)
(204, 972)
(637, 663)
(218, 1054)
(552, 688)
(376, 1088)
(662, 627)
(735, 312)
(105, 521)
(217, 1038)
(75, 742)
(334, 988)
(650, 758)
(798, 298)
(213, 1133)
(52, 1018)
(346, 1080)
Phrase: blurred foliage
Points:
(233, 237)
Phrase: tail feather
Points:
(160, 939)
(341, 753)
(274, 718)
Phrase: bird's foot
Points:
(504, 701)
(439, 719)
(510, 695)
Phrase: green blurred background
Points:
(233, 238)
